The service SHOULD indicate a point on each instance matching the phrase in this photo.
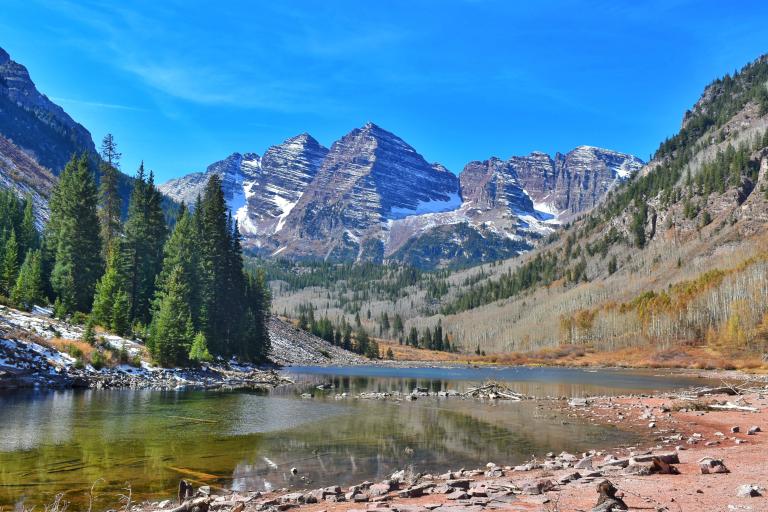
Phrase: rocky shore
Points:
(708, 454)
(38, 351)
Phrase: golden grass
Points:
(682, 357)
(69, 346)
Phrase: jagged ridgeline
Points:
(373, 197)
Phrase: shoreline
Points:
(565, 482)
(685, 433)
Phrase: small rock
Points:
(735, 429)
(753, 430)
(711, 466)
(748, 491)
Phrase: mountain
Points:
(368, 178)
(260, 191)
(34, 123)
(373, 197)
(31, 123)
(21, 173)
(508, 206)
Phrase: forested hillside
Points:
(181, 288)
(675, 256)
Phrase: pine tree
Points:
(10, 270)
(109, 197)
(142, 246)
(74, 231)
(107, 290)
(183, 250)
(29, 237)
(29, 285)
(172, 332)
(362, 342)
(215, 255)
(121, 321)
(199, 351)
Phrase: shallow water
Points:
(64, 441)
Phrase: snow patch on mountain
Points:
(426, 207)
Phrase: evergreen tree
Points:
(215, 248)
(120, 321)
(107, 290)
(362, 342)
(199, 351)
(172, 332)
(109, 197)
(29, 237)
(10, 270)
(29, 285)
(183, 250)
(142, 246)
(74, 231)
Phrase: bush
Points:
(74, 351)
(79, 318)
(98, 361)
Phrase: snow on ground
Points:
(452, 203)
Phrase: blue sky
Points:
(182, 83)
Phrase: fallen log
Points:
(730, 406)
(196, 504)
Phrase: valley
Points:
(247, 298)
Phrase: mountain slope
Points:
(19, 172)
(368, 177)
(372, 197)
(42, 129)
(676, 255)
(36, 124)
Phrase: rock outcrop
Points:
(373, 197)
(34, 123)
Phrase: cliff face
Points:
(34, 123)
(368, 178)
(374, 197)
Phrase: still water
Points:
(64, 441)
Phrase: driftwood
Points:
(493, 390)
(193, 505)
(730, 406)
(662, 468)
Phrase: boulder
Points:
(748, 491)
(538, 487)
(710, 466)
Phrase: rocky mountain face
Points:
(508, 205)
(374, 197)
(368, 178)
(260, 191)
(43, 135)
(21, 173)
(34, 123)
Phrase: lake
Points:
(64, 441)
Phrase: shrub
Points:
(98, 361)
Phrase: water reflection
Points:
(64, 441)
